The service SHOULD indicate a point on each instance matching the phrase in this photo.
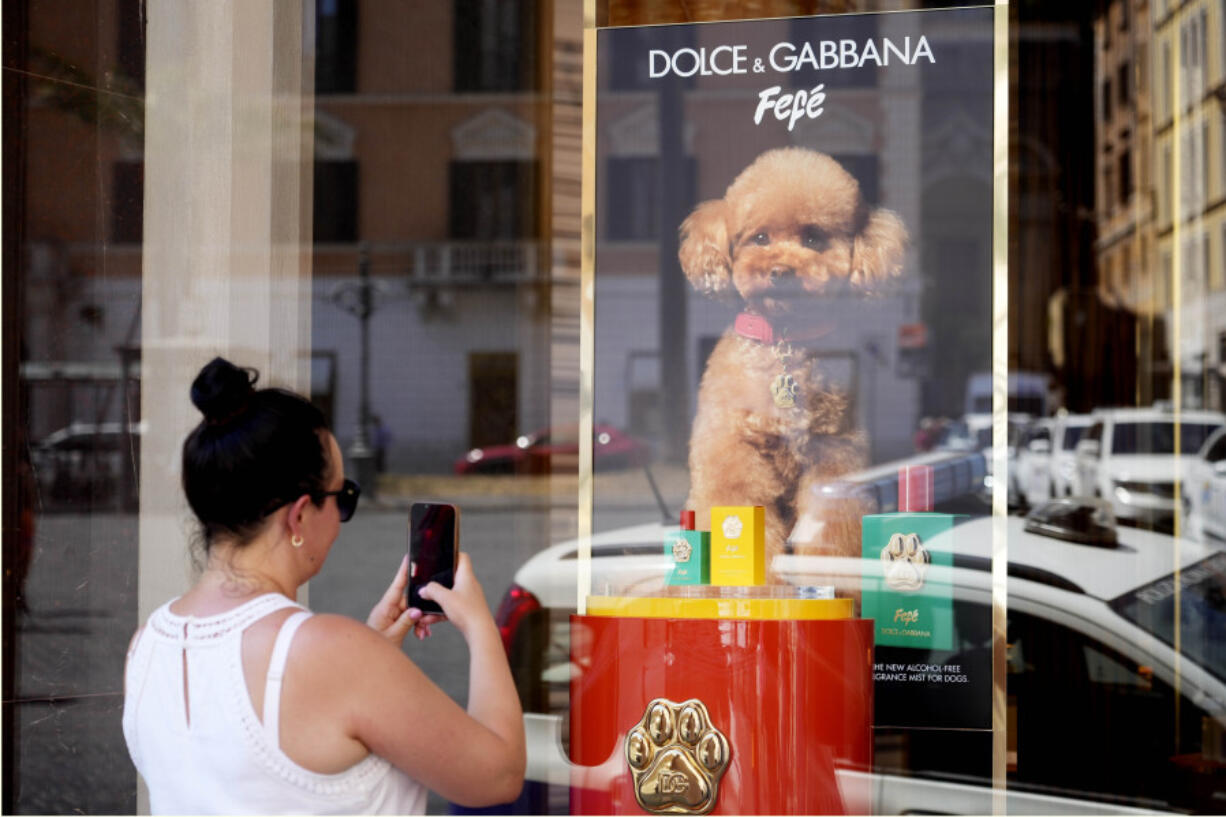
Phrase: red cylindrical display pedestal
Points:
(792, 698)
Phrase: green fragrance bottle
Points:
(690, 551)
(911, 605)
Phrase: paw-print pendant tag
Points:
(676, 756)
(784, 389)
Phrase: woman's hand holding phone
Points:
(464, 604)
(392, 616)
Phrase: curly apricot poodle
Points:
(791, 233)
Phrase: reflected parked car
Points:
(1205, 490)
(89, 465)
(1128, 457)
(556, 449)
(1046, 458)
(1094, 681)
(1067, 432)
(973, 432)
(1031, 470)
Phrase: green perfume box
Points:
(690, 551)
(910, 603)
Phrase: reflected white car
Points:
(1094, 678)
(89, 464)
(1032, 463)
(973, 432)
(1128, 456)
(1205, 490)
(1066, 433)
(1046, 462)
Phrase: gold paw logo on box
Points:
(677, 757)
(905, 561)
(682, 550)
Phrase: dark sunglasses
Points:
(346, 499)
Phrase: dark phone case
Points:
(444, 573)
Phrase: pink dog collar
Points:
(756, 327)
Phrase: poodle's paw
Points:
(677, 757)
(905, 560)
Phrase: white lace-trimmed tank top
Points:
(197, 741)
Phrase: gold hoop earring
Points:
(296, 540)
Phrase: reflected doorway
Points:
(493, 398)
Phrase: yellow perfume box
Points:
(738, 545)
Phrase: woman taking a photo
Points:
(238, 700)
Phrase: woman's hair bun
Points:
(221, 390)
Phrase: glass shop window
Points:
(127, 202)
(493, 199)
(336, 30)
(336, 203)
(495, 45)
(463, 176)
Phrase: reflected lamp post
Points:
(357, 298)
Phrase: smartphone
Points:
(434, 549)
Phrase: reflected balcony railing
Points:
(474, 263)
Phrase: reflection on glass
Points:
(74, 179)
(446, 189)
(1202, 611)
(1159, 438)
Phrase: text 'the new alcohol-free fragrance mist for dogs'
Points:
(690, 551)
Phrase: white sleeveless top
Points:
(210, 753)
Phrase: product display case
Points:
(740, 663)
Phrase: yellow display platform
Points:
(720, 608)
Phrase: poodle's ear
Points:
(705, 255)
(877, 254)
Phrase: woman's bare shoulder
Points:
(353, 667)
(334, 625)
(335, 638)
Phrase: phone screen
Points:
(433, 549)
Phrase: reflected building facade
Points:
(458, 247)
(1160, 108)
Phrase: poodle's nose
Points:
(782, 273)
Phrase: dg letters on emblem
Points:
(676, 757)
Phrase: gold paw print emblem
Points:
(905, 560)
(677, 758)
(682, 550)
(784, 390)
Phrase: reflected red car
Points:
(556, 449)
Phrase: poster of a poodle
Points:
(790, 238)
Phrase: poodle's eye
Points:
(761, 239)
(814, 239)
